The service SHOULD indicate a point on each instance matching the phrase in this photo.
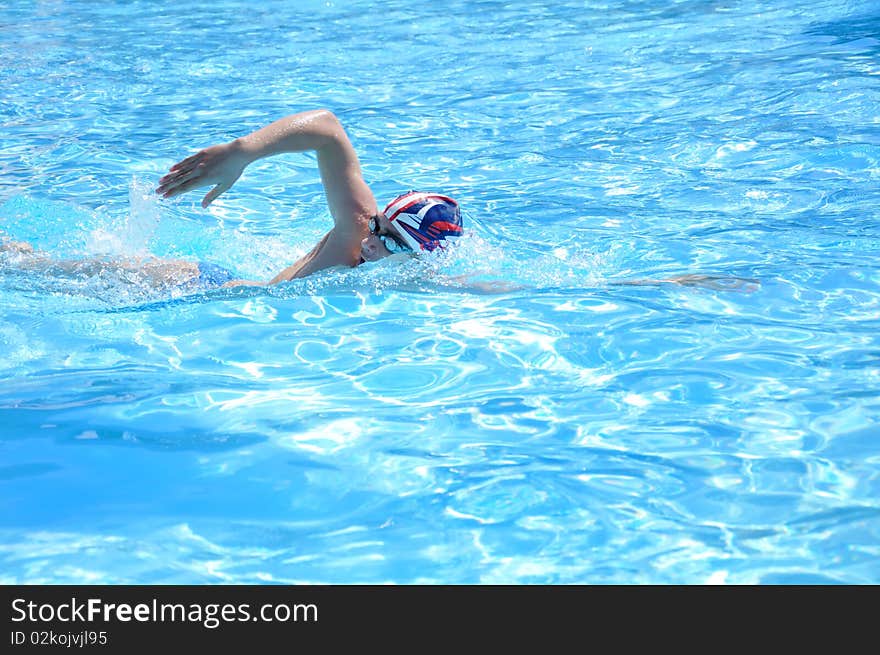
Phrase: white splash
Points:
(131, 234)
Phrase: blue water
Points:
(394, 422)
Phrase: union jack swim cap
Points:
(424, 220)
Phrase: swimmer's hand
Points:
(221, 165)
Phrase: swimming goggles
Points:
(391, 242)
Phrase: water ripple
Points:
(512, 411)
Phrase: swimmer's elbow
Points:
(331, 127)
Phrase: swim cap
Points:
(424, 220)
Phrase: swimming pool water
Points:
(394, 422)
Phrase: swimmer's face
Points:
(383, 240)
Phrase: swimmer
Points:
(186, 275)
(414, 222)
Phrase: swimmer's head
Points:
(413, 222)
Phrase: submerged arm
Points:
(717, 282)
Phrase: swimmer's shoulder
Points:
(331, 251)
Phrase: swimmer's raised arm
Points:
(419, 221)
(350, 200)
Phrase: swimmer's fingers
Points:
(180, 172)
(176, 175)
(189, 160)
(183, 187)
(172, 184)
